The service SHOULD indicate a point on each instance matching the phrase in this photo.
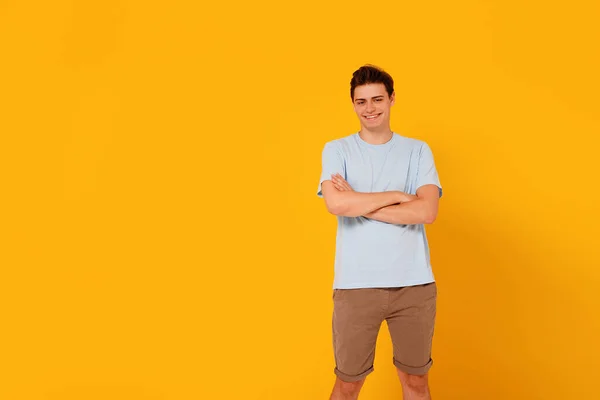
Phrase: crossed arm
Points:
(394, 207)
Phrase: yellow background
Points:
(161, 235)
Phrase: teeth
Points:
(371, 117)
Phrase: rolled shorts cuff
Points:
(352, 378)
(413, 370)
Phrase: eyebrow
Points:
(374, 97)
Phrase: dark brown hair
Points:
(369, 73)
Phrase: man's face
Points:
(372, 105)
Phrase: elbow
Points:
(341, 210)
(429, 218)
(334, 208)
(337, 205)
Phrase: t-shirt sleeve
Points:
(332, 162)
(427, 173)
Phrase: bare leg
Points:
(346, 390)
(414, 387)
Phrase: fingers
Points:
(336, 182)
(340, 183)
(346, 186)
(344, 183)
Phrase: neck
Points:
(376, 136)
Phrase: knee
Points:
(350, 388)
(415, 383)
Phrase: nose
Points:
(370, 107)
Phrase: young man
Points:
(383, 188)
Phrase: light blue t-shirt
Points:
(372, 253)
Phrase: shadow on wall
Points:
(504, 315)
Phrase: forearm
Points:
(355, 204)
(409, 213)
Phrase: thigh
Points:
(357, 317)
(411, 320)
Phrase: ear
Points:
(392, 98)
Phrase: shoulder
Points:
(411, 142)
(416, 145)
(342, 144)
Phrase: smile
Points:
(371, 117)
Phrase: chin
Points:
(374, 126)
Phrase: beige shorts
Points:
(357, 317)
